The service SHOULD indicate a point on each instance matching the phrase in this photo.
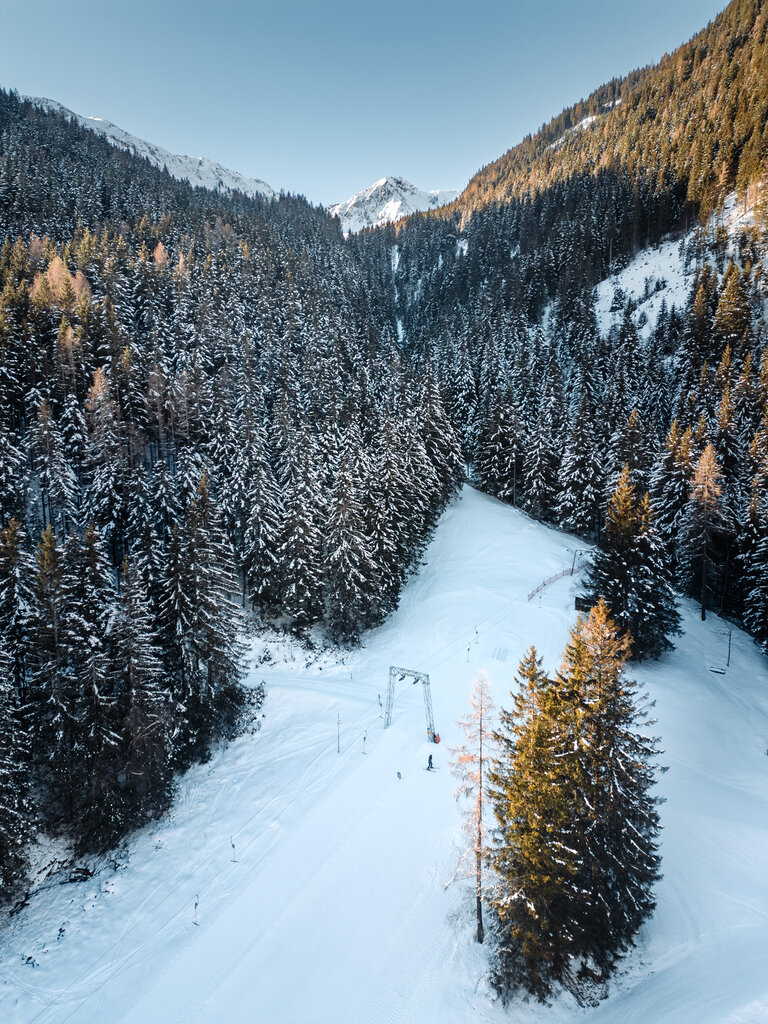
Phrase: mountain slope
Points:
(387, 200)
(334, 908)
(697, 120)
(198, 171)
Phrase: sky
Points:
(323, 98)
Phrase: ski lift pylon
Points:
(398, 675)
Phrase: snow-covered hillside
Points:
(653, 277)
(387, 200)
(333, 907)
(660, 275)
(198, 171)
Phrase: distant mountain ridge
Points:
(198, 171)
(386, 200)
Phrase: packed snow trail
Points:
(335, 908)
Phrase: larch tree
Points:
(471, 764)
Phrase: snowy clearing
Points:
(334, 907)
(662, 268)
(659, 274)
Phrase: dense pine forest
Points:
(217, 412)
(203, 416)
(499, 297)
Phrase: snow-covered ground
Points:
(334, 907)
(197, 170)
(654, 276)
(658, 275)
(386, 200)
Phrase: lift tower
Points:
(398, 675)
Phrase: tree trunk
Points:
(479, 898)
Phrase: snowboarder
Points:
(429, 764)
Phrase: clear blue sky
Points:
(325, 97)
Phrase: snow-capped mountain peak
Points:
(198, 171)
(386, 200)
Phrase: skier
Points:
(429, 764)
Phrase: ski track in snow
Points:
(336, 908)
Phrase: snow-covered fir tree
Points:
(630, 571)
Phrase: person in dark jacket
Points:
(429, 764)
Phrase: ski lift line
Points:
(398, 674)
(459, 643)
(449, 647)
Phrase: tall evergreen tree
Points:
(629, 570)
(703, 527)
(579, 506)
(87, 609)
(576, 851)
(541, 473)
(530, 855)
(16, 812)
(351, 575)
(148, 715)
(614, 772)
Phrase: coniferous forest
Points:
(217, 411)
(204, 414)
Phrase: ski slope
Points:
(334, 907)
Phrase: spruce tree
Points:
(147, 713)
(261, 542)
(530, 854)
(541, 473)
(52, 698)
(499, 450)
(203, 619)
(579, 506)
(351, 574)
(629, 570)
(670, 484)
(16, 812)
(576, 849)
(441, 443)
(17, 568)
(87, 610)
(753, 556)
(612, 769)
(300, 547)
(704, 524)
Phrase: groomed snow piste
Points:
(334, 907)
